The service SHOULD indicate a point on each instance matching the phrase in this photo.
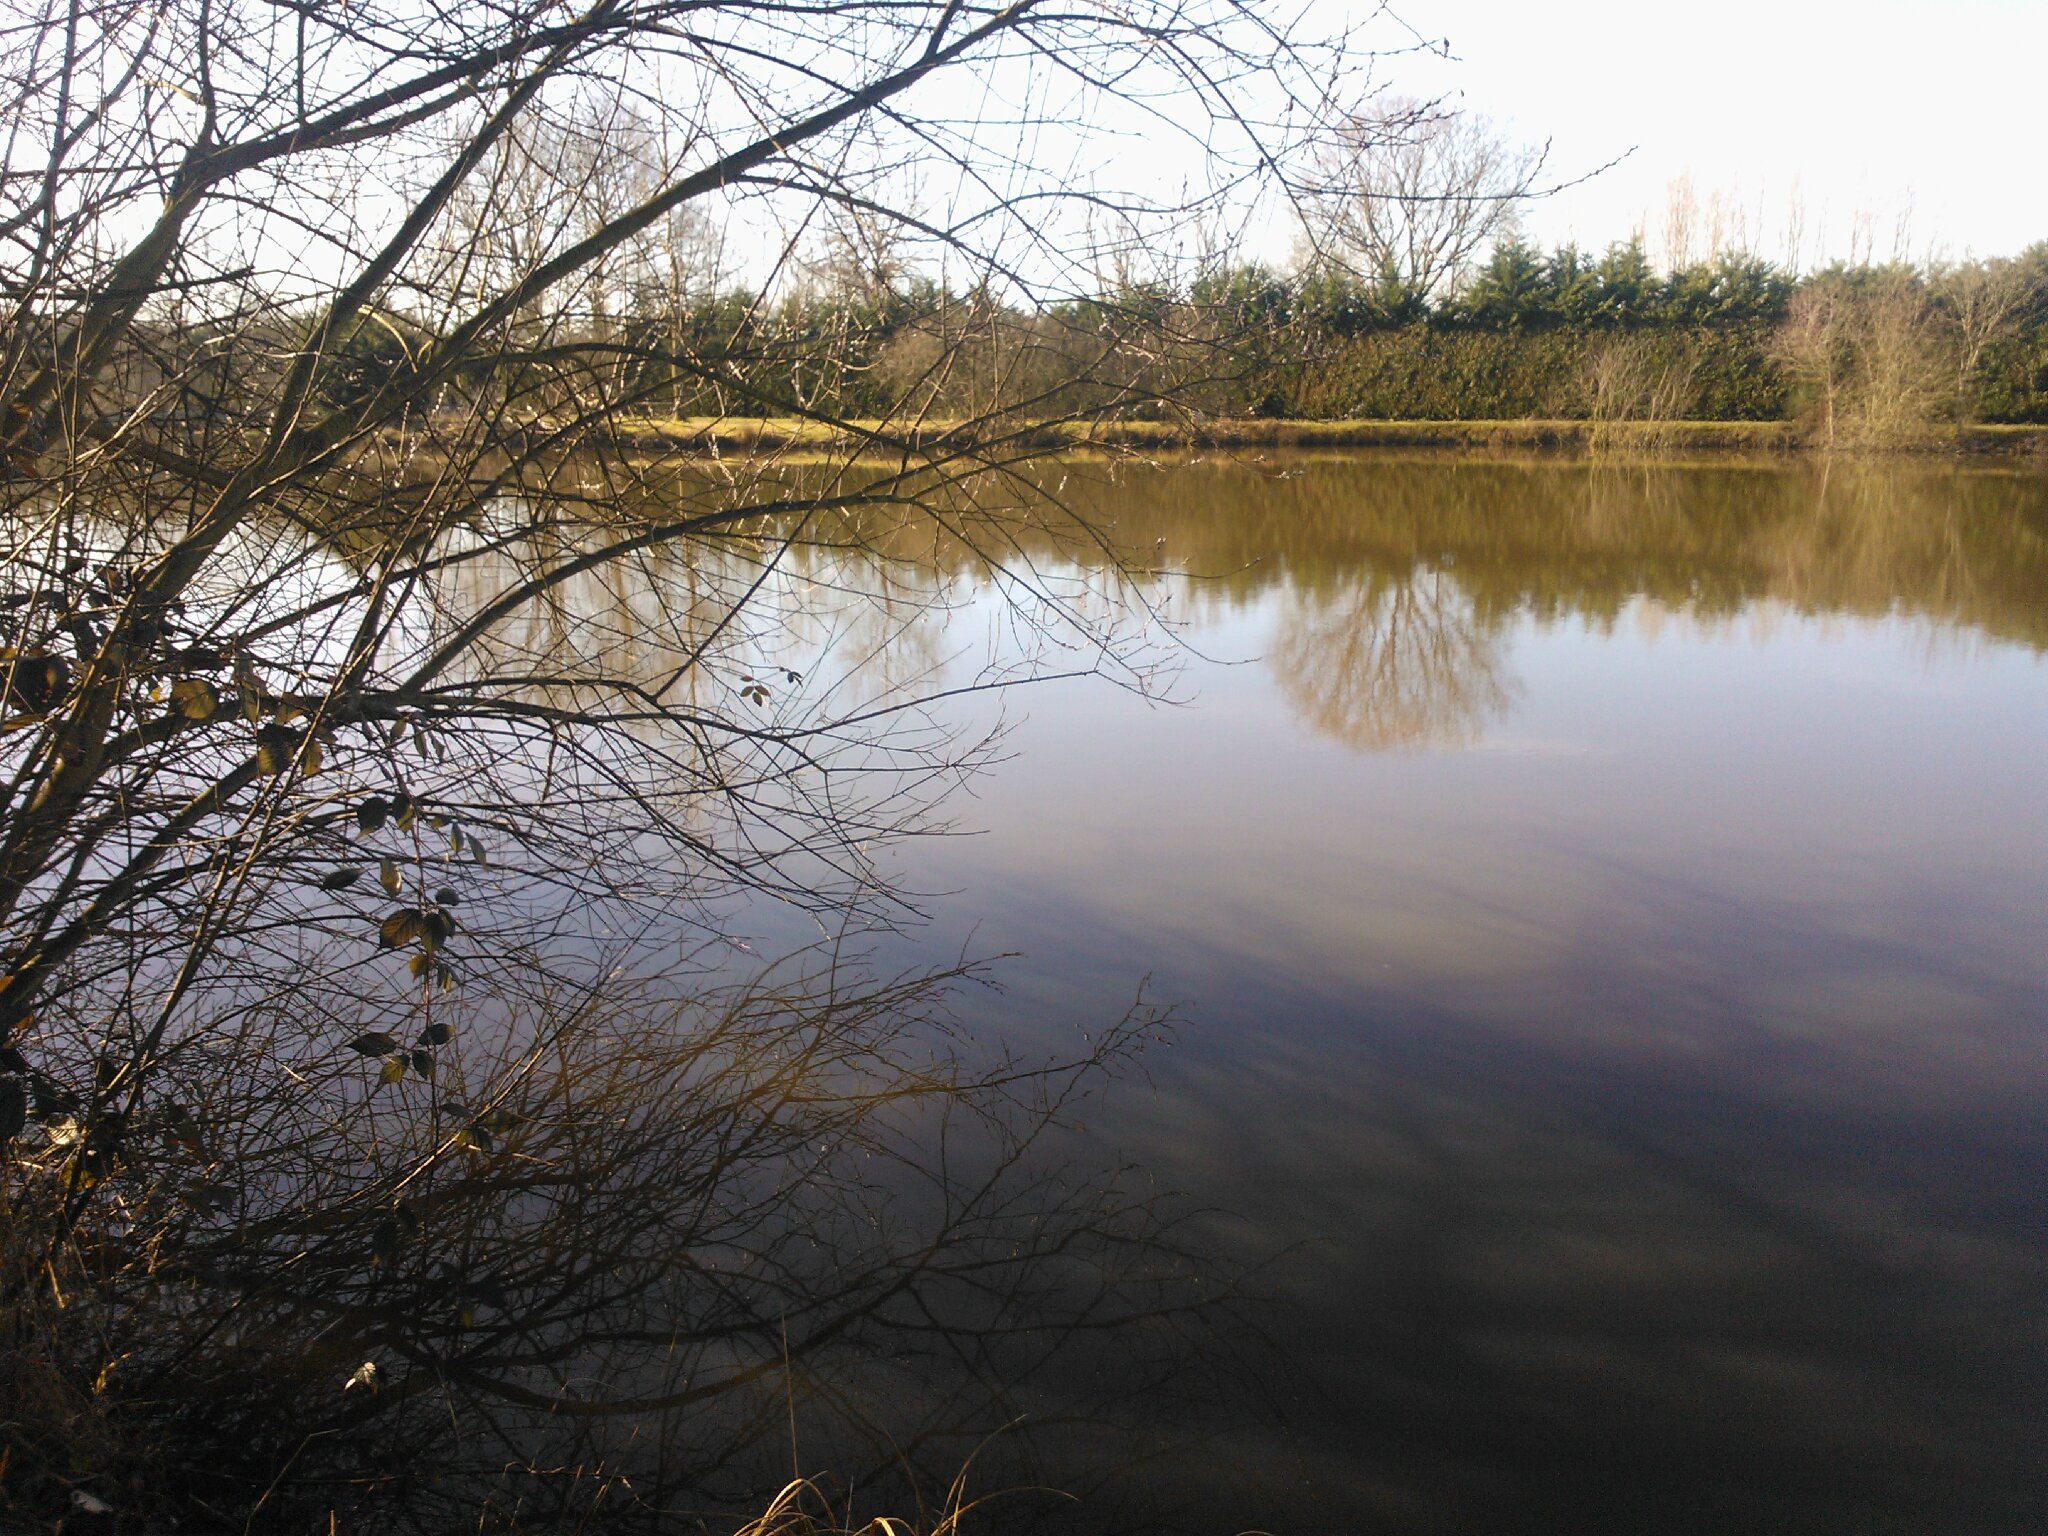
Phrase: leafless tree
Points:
(1870, 349)
(1627, 378)
(395, 722)
(1979, 300)
(1811, 346)
(1409, 193)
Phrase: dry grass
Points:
(743, 435)
(803, 1508)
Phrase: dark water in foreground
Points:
(1609, 914)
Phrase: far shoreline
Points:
(756, 434)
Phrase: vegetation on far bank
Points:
(1556, 350)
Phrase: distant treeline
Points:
(1863, 351)
(1870, 354)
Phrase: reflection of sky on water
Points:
(1645, 1086)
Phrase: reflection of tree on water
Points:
(1391, 661)
(1557, 540)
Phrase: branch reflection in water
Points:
(412, 1132)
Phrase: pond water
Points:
(1606, 911)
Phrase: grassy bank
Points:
(736, 434)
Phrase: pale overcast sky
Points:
(1889, 128)
(1865, 108)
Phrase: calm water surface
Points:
(1608, 914)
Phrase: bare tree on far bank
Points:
(1410, 193)
(1894, 356)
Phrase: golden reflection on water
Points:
(1398, 578)
(1401, 577)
